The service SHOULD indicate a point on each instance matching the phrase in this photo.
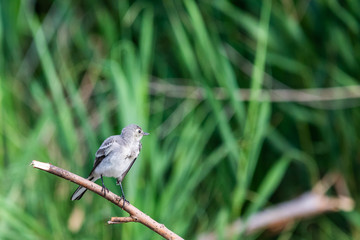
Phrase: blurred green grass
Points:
(74, 73)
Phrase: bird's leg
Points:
(104, 189)
(122, 193)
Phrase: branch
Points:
(278, 217)
(304, 96)
(135, 214)
(309, 204)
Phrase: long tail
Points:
(79, 192)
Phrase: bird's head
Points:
(134, 132)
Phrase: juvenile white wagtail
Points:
(114, 158)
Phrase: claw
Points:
(124, 201)
(104, 189)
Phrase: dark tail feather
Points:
(79, 192)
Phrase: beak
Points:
(145, 134)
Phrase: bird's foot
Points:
(104, 190)
(124, 201)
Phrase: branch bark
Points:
(135, 214)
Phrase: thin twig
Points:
(115, 220)
(135, 214)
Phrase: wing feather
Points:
(106, 147)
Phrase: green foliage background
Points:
(76, 72)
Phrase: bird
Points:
(114, 158)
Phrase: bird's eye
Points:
(139, 131)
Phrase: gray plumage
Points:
(115, 157)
